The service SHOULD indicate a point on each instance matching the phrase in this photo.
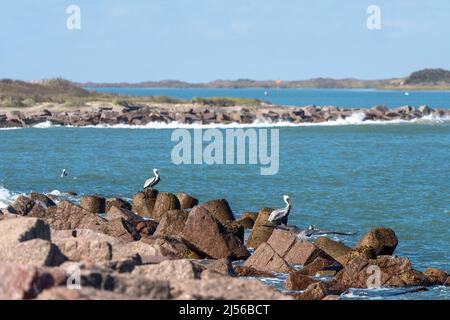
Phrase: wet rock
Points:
(70, 216)
(409, 278)
(78, 249)
(447, 282)
(334, 249)
(172, 270)
(243, 271)
(383, 240)
(172, 223)
(260, 232)
(13, 231)
(42, 199)
(36, 252)
(394, 271)
(144, 202)
(165, 201)
(24, 281)
(94, 204)
(332, 297)
(318, 291)
(224, 288)
(208, 236)
(118, 203)
(435, 276)
(266, 259)
(186, 201)
(298, 281)
(219, 209)
(118, 213)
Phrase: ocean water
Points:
(346, 176)
(350, 98)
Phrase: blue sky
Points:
(202, 40)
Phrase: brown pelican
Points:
(63, 173)
(153, 181)
(281, 215)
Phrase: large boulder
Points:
(393, 271)
(208, 236)
(261, 232)
(383, 240)
(224, 288)
(267, 260)
(42, 199)
(334, 249)
(172, 246)
(25, 206)
(219, 209)
(145, 228)
(121, 229)
(319, 290)
(35, 252)
(70, 216)
(172, 223)
(172, 270)
(84, 234)
(436, 276)
(321, 266)
(165, 201)
(186, 201)
(247, 219)
(293, 250)
(78, 249)
(93, 204)
(117, 213)
(13, 231)
(64, 293)
(144, 202)
(118, 203)
(26, 282)
(298, 281)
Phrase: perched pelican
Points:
(63, 173)
(153, 181)
(281, 215)
(311, 231)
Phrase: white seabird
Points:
(63, 173)
(153, 181)
(302, 234)
(281, 215)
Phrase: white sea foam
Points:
(7, 197)
(354, 119)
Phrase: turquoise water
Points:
(350, 98)
(343, 177)
(349, 178)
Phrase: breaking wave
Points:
(354, 119)
(7, 197)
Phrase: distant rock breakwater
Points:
(201, 114)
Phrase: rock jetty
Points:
(55, 249)
(111, 114)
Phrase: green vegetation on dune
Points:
(21, 94)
